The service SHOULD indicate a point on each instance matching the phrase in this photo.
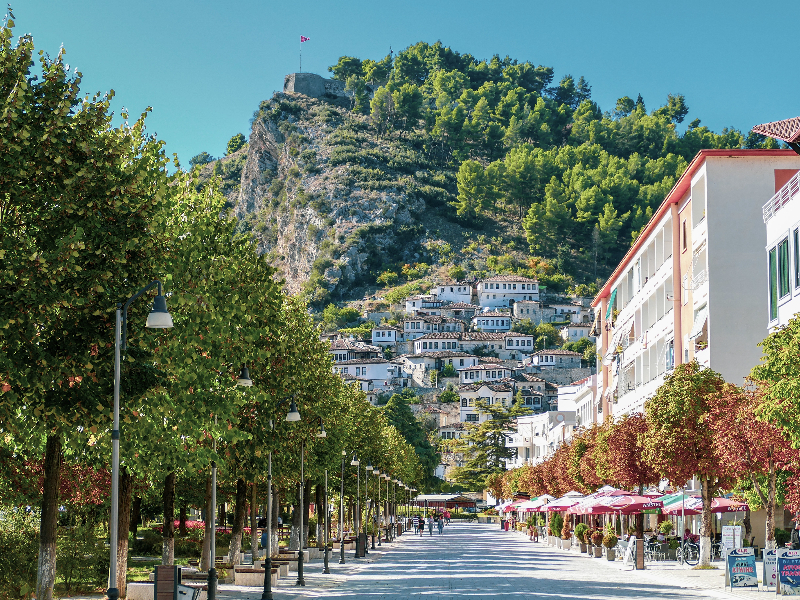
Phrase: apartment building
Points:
(505, 290)
(683, 290)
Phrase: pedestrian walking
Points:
(430, 526)
(440, 523)
(447, 517)
(416, 524)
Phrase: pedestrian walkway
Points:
(480, 561)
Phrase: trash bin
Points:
(184, 592)
(502, 524)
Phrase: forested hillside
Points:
(458, 164)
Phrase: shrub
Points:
(580, 532)
(19, 552)
(666, 527)
(556, 523)
(82, 559)
(782, 536)
(148, 545)
(566, 530)
(449, 371)
(597, 537)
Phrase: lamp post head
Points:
(322, 433)
(376, 472)
(159, 317)
(244, 378)
(354, 462)
(293, 415)
(344, 452)
(369, 465)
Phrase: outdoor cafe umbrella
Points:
(563, 503)
(513, 506)
(629, 504)
(593, 504)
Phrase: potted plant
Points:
(597, 539)
(580, 532)
(530, 524)
(556, 523)
(566, 535)
(665, 527)
(610, 542)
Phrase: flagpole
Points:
(301, 54)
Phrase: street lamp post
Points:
(341, 513)
(390, 537)
(367, 503)
(300, 557)
(355, 463)
(292, 416)
(326, 570)
(379, 508)
(159, 318)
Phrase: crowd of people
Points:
(435, 519)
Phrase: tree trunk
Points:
(48, 527)
(306, 510)
(205, 556)
(706, 493)
(294, 536)
(238, 521)
(254, 521)
(770, 541)
(182, 519)
(123, 529)
(639, 520)
(319, 502)
(136, 515)
(276, 513)
(168, 527)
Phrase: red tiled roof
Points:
(557, 352)
(459, 305)
(511, 278)
(787, 130)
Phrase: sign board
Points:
(731, 536)
(788, 572)
(629, 557)
(740, 568)
(770, 574)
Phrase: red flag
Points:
(303, 39)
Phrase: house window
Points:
(464, 402)
(783, 267)
(796, 242)
(683, 235)
(773, 284)
(671, 354)
(515, 286)
(344, 370)
(472, 418)
(461, 362)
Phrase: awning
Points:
(611, 302)
(699, 321)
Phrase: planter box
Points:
(566, 544)
(611, 554)
(584, 549)
(598, 552)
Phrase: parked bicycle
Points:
(689, 553)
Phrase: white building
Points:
(538, 436)
(502, 291)
(438, 341)
(427, 303)
(491, 393)
(681, 293)
(419, 366)
(556, 358)
(586, 402)
(421, 324)
(492, 321)
(385, 335)
(343, 350)
(483, 372)
(454, 292)
(575, 331)
(377, 370)
(569, 311)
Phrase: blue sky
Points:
(204, 67)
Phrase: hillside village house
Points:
(385, 335)
(491, 393)
(427, 303)
(503, 291)
(556, 358)
(417, 326)
(575, 331)
(343, 350)
(782, 219)
(549, 391)
(508, 346)
(462, 311)
(418, 366)
(570, 311)
(677, 294)
(365, 385)
(492, 321)
(483, 372)
(438, 341)
(535, 311)
(377, 370)
(454, 292)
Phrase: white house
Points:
(569, 311)
(427, 303)
(365, 385)
(454, 292)
(416, 327)
(377, 370)
(462, 311)
(343, 350)
(682, 292)
(527, 381)
(385, 335)
(518, 344)
(586, 401)
(443, 340)
(556, 358)
(575, 331)
(419, 366)
(505, 290)
(534, 311)
(538, 436)
(483, 372)
(491, 393)
(492, 321)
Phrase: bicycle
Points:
(688, 553)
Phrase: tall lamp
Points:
(367, 471)
(159, 318)
(355, 463)
(341, 513)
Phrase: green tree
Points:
(407, 100)
(398, 413)
(235, 143)
(201, 159)
(484, 444)
(382, 110)
(357, 88)
(345, 67)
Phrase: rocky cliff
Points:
(330, 201)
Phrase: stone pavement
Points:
(480, 561)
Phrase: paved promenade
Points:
(479, 561)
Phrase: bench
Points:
(253, 577)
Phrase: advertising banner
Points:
(788, 572)
(740, 569)
(770, 575)
(731, 536)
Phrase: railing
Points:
(784, 195)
